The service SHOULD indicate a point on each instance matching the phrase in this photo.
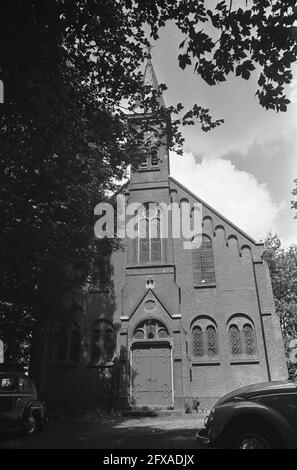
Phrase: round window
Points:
(150, 305)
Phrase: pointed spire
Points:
(149, 76)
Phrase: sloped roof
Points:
(214, 211)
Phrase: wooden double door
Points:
(152, 375)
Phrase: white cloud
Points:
(236, 194)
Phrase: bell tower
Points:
(155, 168)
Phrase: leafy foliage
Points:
(71, 75)
(283, 269)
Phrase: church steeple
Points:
(150, 78)
(156, 165)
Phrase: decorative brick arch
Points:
(154, 316)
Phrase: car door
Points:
(26, 395)
(8, 400)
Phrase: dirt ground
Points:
(175, 431)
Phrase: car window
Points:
(25, 386)
(8, 383)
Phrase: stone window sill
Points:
(204, 286)
(206, 361)
(244, 360)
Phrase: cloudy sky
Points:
(245, 168)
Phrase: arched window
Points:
(235, 340)
(155, 237)
(102, 341)
(149, 240)
(150, 330)
(108, 344)
(203, 263)
(211, 341)
(249, 340)
(162, 333)
(204, 338)
(197, 342)
(139, 334)
(152, 159)
(67, 343)
(242, 338)
(96, 345)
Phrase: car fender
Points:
(33, 405)
(226, 413)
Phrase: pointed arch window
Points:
(149, 240)
(203, 263)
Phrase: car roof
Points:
(15, 373)
(274, 386)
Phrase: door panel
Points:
(8, 416)
(142, 381)
(152, 379)
(162, 380)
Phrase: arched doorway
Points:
(152, 365)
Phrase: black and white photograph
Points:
(148, 214)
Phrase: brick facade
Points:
(241, 295)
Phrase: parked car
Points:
(19, 403)
(260, 416)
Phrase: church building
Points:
(172, 324)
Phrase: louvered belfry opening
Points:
(203, 263)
